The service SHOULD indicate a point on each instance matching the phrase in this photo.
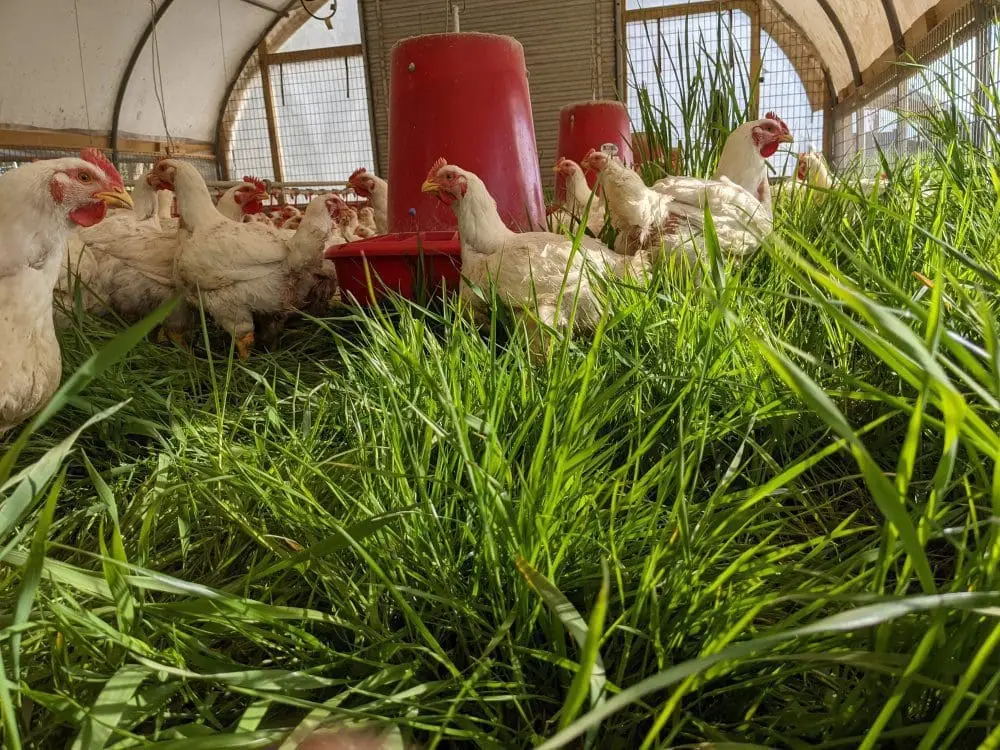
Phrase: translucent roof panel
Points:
(851, 36)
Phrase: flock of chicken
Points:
(547, 277)
(230, 256)
(69, 231)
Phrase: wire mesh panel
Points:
(693, 69)
(791, 85)
(129, 165)
(687, 65)
(321, 119)
(322, 108)
(941, 79)
(247, 147)
(12, 158)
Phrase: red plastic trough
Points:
(402, 262)
(464, 97)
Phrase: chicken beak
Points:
(786, 138)
(115, 199)
(429, 187)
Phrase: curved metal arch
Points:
(898, 40)
(803, 38)
(845, 40)
(127, 75)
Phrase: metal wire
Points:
(158, 74)
(668, 57)
(83, 69)
(943, 81)
(322, 116)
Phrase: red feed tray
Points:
(403, 263)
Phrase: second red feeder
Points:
(591, 124)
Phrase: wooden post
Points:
(756, 65)
(829, 130)
(273, 136)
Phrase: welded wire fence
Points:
(321, 119)
(129, 165)
(692, 77)
(943, 78)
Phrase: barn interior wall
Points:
(564, 65)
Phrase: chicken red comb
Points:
(772, 116)
(357, 173)
(256, 182)
(98, 159)
(437, 167)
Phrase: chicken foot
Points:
(243, 346)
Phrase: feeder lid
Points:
(593, 103)
(450, 36)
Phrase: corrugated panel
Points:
(565, 43)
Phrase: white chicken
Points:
(348, 223)
(40, 203)
(668, 217)
(366, 217)
(240, 201)
(124, 263)
(530, 271)
(235, 269)
(313, 286)
(578, 195)
(813, 178)
(376, 190)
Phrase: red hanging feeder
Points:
(464, 97)
(591, 124)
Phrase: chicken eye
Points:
(84, 177)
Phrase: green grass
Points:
(762, 513)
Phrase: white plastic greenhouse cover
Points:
(856, 38)
(51, 81)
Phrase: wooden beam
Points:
(756, 64)
(73, 140)
(673, 11)
(273, 135)
(311, 55)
